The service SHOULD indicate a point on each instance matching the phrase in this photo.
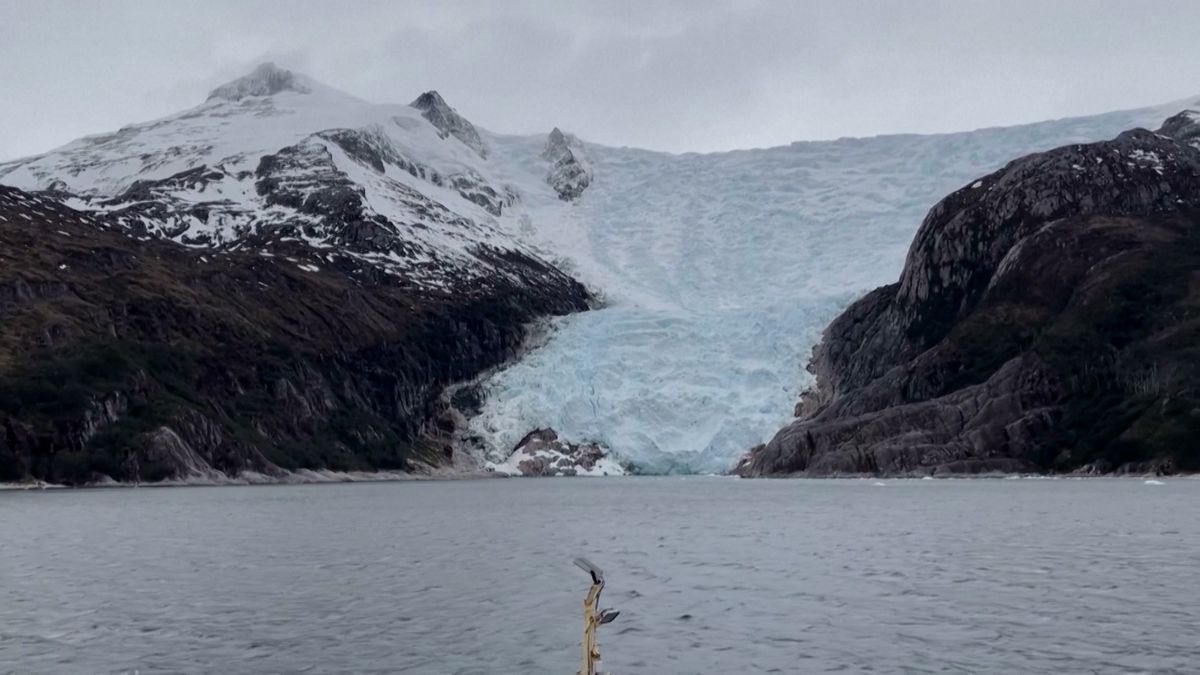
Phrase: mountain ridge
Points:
(718, 271)
(379, 229)
(132, 358)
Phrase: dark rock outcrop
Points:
(1183, 127)
(137, 358)
(448, 122)
(570, 173)
(1045, 320)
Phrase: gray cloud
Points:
(673, 75)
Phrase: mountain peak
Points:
(431, 100)
(265, 80)
(448, 122)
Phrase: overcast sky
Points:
(672, 75)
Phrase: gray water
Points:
(712, 576)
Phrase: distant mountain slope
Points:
(1047, 319)
(275, 155)
(140, 359)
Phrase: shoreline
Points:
(253, 479)
(986, 476)
(326, 477)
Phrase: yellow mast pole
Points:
(593, 617)
(591, 651)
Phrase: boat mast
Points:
(592, 618)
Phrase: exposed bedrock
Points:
(1045, 320)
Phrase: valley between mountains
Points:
(287, 282)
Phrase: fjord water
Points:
(712, 575)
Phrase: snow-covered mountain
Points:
(276, 155)
(719, 270)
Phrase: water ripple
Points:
(711, 576)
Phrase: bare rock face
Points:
(165, 447)
(447, 120)
(570, 172)
(1025, 308)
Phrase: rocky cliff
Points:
(1045, 320)
(137, 358)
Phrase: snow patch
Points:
(1147, 158)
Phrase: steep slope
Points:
(140, 359)
(276, 155)
(323, 268)
(1046, 319)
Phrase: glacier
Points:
(720, 271)
(717, 271)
